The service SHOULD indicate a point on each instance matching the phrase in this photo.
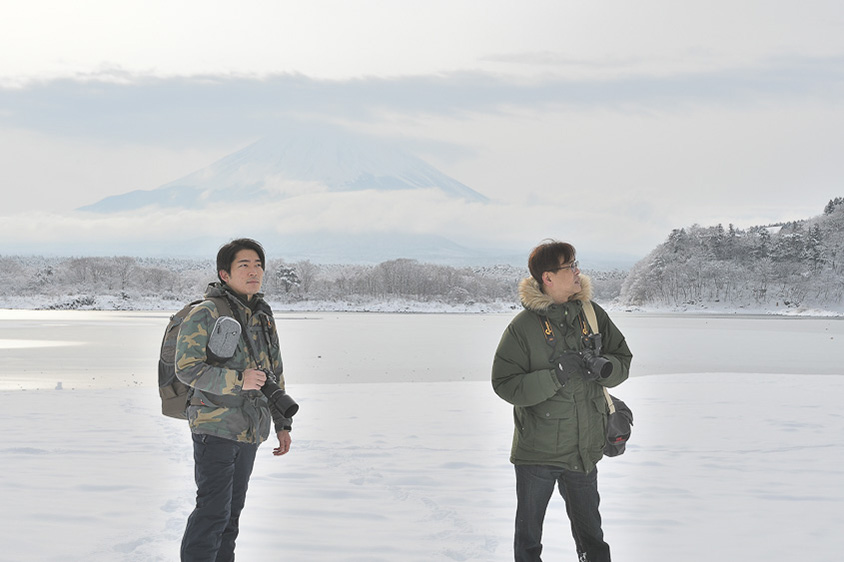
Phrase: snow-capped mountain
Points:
(297, 161)
(311, 192)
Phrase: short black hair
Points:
(546, 257)
(225, 257)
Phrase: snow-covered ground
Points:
(723, 465)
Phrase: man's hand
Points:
(283, 443)
(566, 365)
(253, 379)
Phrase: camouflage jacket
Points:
(219, 405)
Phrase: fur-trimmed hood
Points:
(535, 300)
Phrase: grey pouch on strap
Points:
(222, 343)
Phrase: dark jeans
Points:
(534, 488)
(222, 468)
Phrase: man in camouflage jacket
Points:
(559, 408)
(229, 416)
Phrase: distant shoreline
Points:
(401, 306)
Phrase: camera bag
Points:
(619, 422)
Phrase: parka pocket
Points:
(542, 427)
(600, 404)
(555, 408)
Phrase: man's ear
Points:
(546, 278)
(224, 275)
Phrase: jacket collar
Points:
(217, 289)
(535, 300)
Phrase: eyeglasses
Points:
(573, 265)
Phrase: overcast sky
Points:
(604, 123)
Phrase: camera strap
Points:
(590, 325)
(250, 345)
(592, 320)
(244, 334)
(547, 330)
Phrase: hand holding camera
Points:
(567, 364)
(588, 363)
(596, 366)
(265, 381)
(253, 379)
(280, 400)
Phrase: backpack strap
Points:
(223, 305)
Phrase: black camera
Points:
(596, 366)
(280, 400)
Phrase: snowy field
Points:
(726, 463)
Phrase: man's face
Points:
(561, 284)
(246, 275)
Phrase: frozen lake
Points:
(84, 349)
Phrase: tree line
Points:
(791, 264)
(76, 282)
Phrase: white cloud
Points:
(337, 39)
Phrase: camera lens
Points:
(601, 366)
(282, 401)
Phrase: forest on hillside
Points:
(795, 264)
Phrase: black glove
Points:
(567, 364)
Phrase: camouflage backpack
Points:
(175, 395)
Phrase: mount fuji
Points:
(297, 161)
(313, 192)
(307, 192)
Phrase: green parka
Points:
(556, 425)
(219, 405)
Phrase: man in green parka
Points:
(544, 367)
